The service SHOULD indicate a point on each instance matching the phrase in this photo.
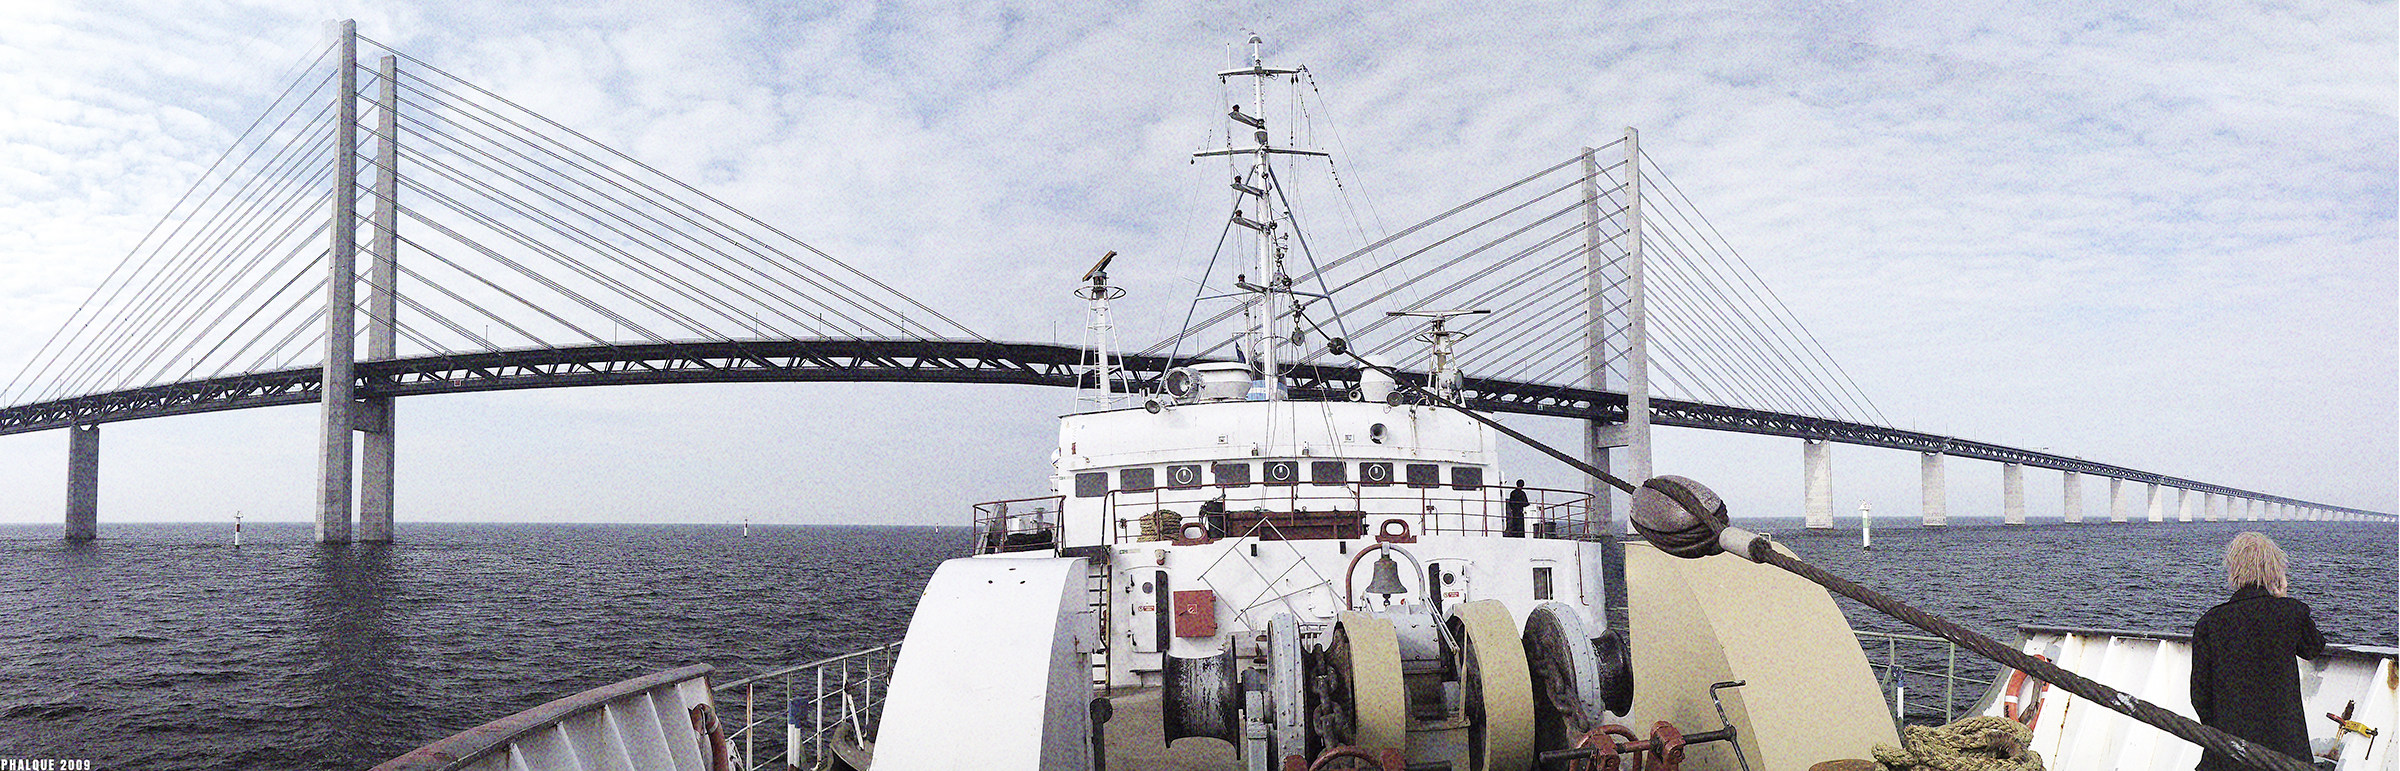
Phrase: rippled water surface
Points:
(160, 647)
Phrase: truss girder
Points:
(963, 361)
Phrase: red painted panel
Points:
(1196, 613)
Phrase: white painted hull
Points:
(2074, 734)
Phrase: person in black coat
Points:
(2244, 679)
(1517, 501)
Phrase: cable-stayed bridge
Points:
(387, 229)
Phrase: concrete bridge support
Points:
(2216, 506)
(2157, 504)
(1937, 497)
(83, 482)
(2116, 499)
(334, 457)
(2184, 502)
(2012, 493)
(2072, 482)
(1604, 276)
(1817, 457)
(378, 455)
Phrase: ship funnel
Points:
(1387, 577)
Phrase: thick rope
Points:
(1981, 743)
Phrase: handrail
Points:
(846, 684)
(476, 743)
(810, 665)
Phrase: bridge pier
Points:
(2012, 493)
(2212, 507)
(378, 455)
(83, 482)
(334, 456)
(2184, 500)
(2157, 500)
(1816, 456)
(2116, 499)
(2072, 483)
(376, 458)
(1937, 497)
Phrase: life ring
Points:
(2021, 701)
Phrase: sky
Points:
(2150, 235)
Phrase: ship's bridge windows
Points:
(1183, 477)
(1282, 472)
(1424, 475)
(1375, 473)
(1091, 484)
(1328, 472)
(1466, 477)
(1143, 478)
(1230, 474)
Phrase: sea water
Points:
(164, 647)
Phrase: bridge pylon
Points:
(347, 467)
(334, 456)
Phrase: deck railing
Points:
(1919, 676)
(843, 698)
(1303, 510)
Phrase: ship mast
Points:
(1271, 295)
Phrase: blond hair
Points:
(2254, 560)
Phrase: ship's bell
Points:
(1387, 577)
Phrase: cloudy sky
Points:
(2150, 235)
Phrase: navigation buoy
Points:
(745, 527)
(237, 528)
(1866, 527)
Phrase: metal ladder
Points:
(1096, 588)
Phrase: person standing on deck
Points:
(1516, 511)
(2244, 680)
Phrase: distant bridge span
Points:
(971, 362)
(526, 247)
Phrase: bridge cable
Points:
(489, 253)
(482, 340)
(654, 241)
(237, 355)
(12, 390)
(263, 278)
(1726, 325)
(705, 196)
(116, 354)
(1354, 281)
(1386, 240)
(262, 249)
(902, 324)
(1815, 347)
(99, 355)
(1480, 299)
(489, 192)
(1760, 341)
(544, 281)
